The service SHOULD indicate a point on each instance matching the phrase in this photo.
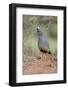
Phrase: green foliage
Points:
(48, 25)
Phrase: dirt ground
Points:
(42, 64)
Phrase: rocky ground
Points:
(42, 64)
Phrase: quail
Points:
(43, 44)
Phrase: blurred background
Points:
(48, 25)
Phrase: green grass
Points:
(31, 46)
(48, 26)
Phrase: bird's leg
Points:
(42, 55)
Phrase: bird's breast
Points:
(43, 42)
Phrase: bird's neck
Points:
(41, 36)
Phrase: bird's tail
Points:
(46, 51)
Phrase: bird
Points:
(43, 43)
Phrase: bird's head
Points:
(39, 31)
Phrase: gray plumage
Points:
(42, 42)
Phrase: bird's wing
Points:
(43, 42)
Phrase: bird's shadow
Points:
(6, 83)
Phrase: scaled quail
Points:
(43, 44)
